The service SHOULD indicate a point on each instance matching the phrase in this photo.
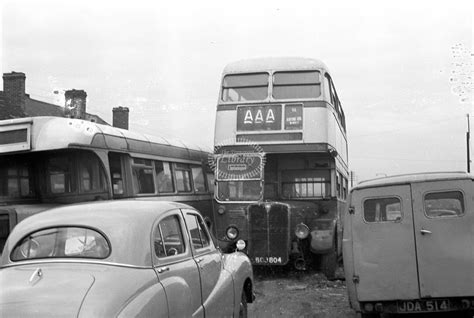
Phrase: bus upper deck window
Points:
(245, 87)
(290, 85)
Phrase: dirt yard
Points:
(282, 292)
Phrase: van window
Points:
(383, 210)
(444, 204)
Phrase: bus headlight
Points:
(302, 231)
(232, 232)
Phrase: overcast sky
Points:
(403, 71)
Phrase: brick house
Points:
(15, 103)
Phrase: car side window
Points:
(168, 239)
(196, 227)
(383, 210)
(444, 204)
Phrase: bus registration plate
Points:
(267, 260)
(408, 306)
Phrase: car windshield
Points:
(62, 242)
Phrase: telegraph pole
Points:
(468, 143)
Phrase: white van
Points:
(408, 244)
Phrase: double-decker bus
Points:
(48, 161)
(281, 162)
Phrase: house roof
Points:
(35, 108)
(6, 112)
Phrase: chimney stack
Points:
(14, 90)
(120, 117)
(75, 104)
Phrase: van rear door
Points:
(384, 244)
(444, 232)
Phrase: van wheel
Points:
(329, 264)
(243, 305)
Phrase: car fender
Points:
(151, 302)
(240, 267)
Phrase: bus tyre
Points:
(243, 305)
(329, 264)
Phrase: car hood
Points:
(42, 290)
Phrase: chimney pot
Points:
(75, 106)
(14, 90)
(120, 117)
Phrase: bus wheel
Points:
(329, 264)
(243, 305)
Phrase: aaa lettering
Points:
(260, 118)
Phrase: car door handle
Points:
(163, 269)
(199, 260)
(423, 232)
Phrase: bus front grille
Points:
(269, 234)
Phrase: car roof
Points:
(413, 178)
(126, 223)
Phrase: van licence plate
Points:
(434, 305)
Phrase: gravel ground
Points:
(283, 292)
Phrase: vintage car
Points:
(126, 258)
(409, 245)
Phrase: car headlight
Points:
(240, 245)
(232, 232)
(302, 231)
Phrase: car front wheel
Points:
(243, 305)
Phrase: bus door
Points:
(383, 244)
(444, 232)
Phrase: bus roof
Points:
(266, 64)
(50, 133)
(413, 178)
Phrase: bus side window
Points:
(91, 174)
(210, 182)
(164, 177)
(143, 178)
(116, 174)
(183, 177)
(59, 172)
(198, 178)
